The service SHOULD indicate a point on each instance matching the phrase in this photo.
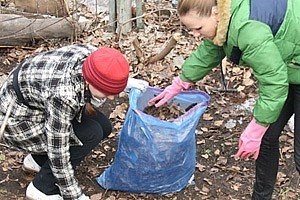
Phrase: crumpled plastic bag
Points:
(156, 156)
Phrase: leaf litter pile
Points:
(165, 112)
(217, 174)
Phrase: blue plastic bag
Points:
(155, 156)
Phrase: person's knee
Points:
(89, 132)
(100, 131)
(107, 131)
(93, 129)
(269, 141)
(95, 134)
(104, 123)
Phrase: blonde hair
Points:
(202, 7)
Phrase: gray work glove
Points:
(136, 83)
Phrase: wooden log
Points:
(16, 29)
(4, 10)
(58, 8)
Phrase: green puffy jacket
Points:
(272, 51)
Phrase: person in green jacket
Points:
(264, 35)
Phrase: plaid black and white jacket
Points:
(51, 82)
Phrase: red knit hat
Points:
(107, 70)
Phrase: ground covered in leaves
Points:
(218, 175)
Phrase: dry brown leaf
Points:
(236, 186)
(207, 117)
(283, 138)
(206, 156)
(287, 156)
(119, 111)
(290, 134)
(208, 181)
(281, 178)
(235, 168)
(111, 197)
(214, 170)
(107, 148)
(217, 152)
(290, 195)
(285, 149)
(240, 88)
(218, 122)
(201, 141)
(204, 129)
(225, 115)
(247, 74)
(222, 160)
(5, 167)
(96, 196)
(205, 190)
(248, 82)
(2, 156)
(200, 167)
(236, 70)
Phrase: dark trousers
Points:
(90, 132)
(268, 159)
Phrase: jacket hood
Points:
(224, 10)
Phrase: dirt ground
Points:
(217, 174)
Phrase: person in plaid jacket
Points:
(54, 115)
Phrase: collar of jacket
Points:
(224, 10)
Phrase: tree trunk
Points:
(139, 12)
(56, 8)
(16, 29)
(112, 15)
(124, 15)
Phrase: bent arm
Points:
(201, 62)
(59, 129)
(263, 56)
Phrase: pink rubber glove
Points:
(169, 92)
(249, 143)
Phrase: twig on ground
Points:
(137, 48)
(170, 45)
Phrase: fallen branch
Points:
(22, 47)
(170, 45)
(137, 48)
(224, 90)
(229, 169)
